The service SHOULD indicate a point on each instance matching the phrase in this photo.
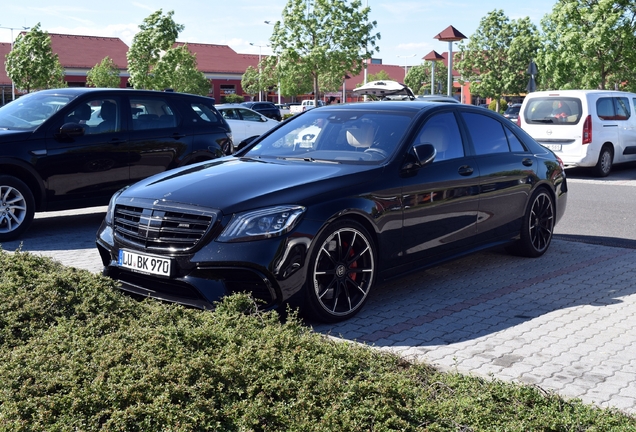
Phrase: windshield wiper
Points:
(545, 120)
(309, 159)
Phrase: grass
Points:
(76, 354)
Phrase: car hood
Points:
(10, 135)
(237, 184)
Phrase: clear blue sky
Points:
(407, 27)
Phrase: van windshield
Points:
(553, 110)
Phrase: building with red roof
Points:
(223, 66)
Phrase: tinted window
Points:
(553, 110)
(488, 135)
(151, 113)
(514, 143)
(97, 116)
(442, 131)
(623, 112)
(206, 112)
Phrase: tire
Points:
(341, 273)
(538, 226)
(17, 207)
(604, 165)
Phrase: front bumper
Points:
(271, 270)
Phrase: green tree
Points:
(157, 35)
(104, 74)
(262, 79)
(589, 44)
(178, 70)
(380, 76)
(419, 78)
(319, 42)
(498, 54)
(31, 64)
(250, 81)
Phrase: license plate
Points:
(553, 147)
(144, 263)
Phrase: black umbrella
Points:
(532, 71)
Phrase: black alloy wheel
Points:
(538, 226)
(17, 207)
(342, 271)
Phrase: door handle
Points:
(465, 170)
(527, 162)
(178, 135)
(117, 141)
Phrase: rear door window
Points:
(152, 113)
(553, 110)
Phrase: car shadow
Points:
(57, 231)
(486, 293)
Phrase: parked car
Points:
(512, 112)
(69, 148)
(268, 109)
(384, 189)
(585, 128)
(305, 105)
(244, 122)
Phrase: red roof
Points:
(450, 34)
(88, 51)
(213, 58)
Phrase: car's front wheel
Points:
(538, 226)
(342, 271)
(17, 207)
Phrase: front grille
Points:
(162, 228)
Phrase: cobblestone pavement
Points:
(565, 322)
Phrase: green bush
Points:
(232, 98)
(503, 105)
(76, 354)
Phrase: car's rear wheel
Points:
(17, 207)
(604, 165)
(538, 226)
(342, 271)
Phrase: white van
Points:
(586, 128)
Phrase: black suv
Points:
(268, 109)
(70, 148)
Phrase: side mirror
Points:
(419, 156)
(71, 130)
(245, 143)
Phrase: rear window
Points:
(553, 110)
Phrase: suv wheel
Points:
(17, 207)
(604, 164)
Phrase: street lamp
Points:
(405, 63)
(260, 92)
(277, 64)
(13, 28)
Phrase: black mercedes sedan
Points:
(326, 204)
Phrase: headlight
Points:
(110, 212)
(261, 224)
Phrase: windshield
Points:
(31, 110)
(353, 136)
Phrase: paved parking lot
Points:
(565, 322)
